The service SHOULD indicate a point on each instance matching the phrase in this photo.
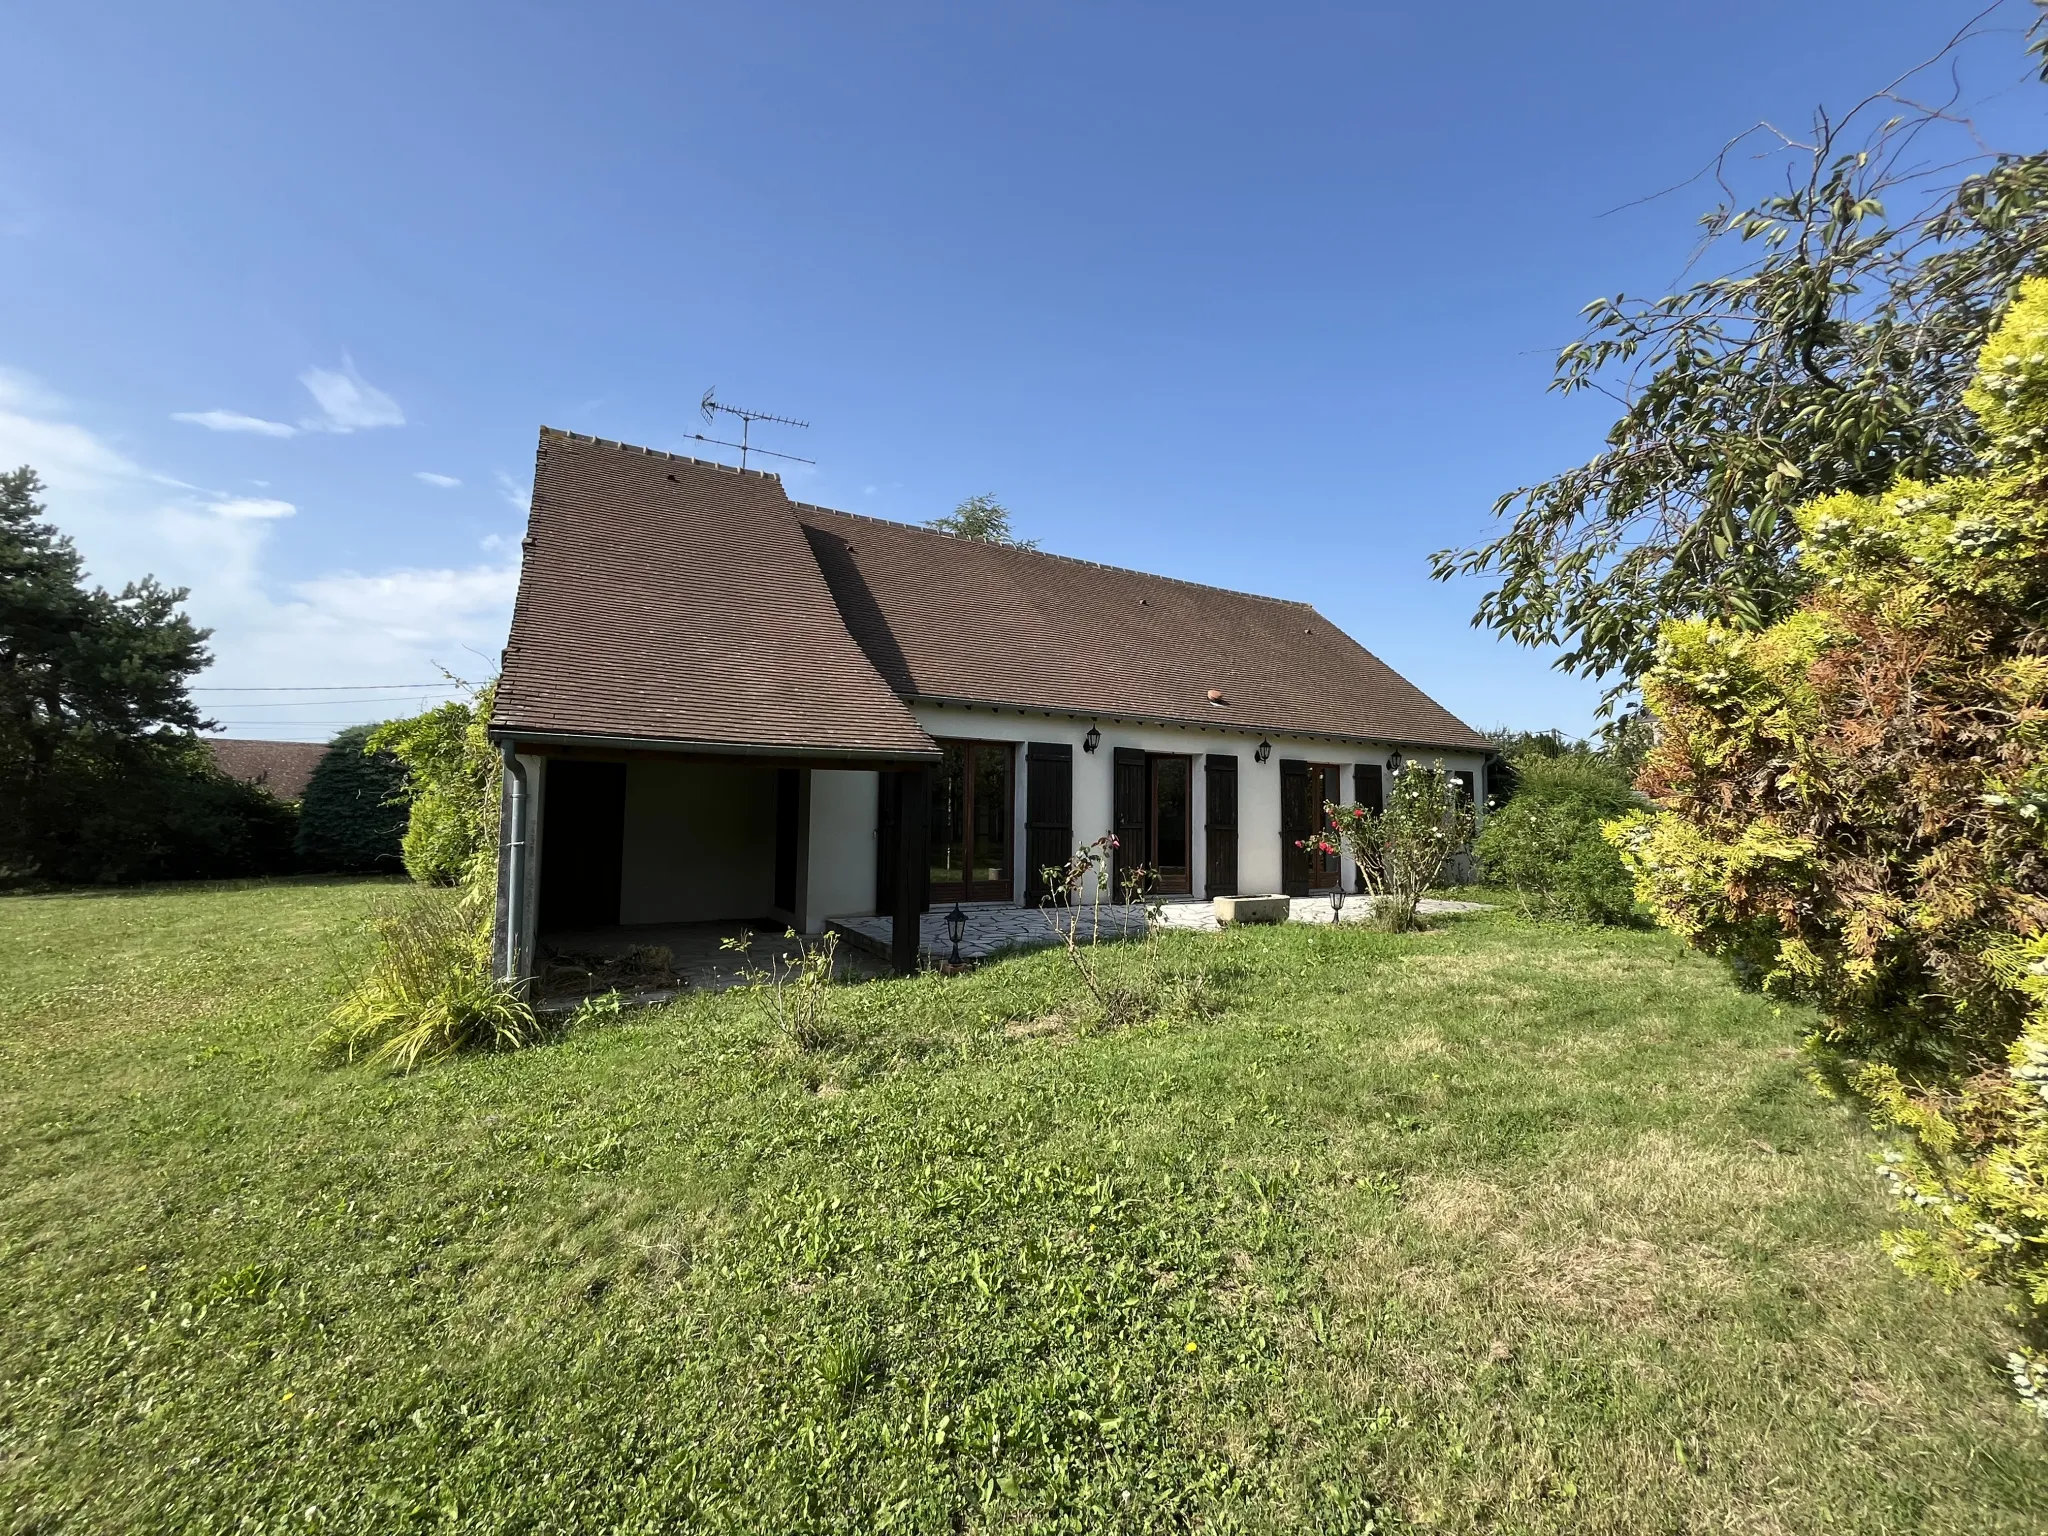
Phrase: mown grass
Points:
(1491, 1228)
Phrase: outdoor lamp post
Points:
(956, 927)
(1337, 902)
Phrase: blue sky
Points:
(1258, 296)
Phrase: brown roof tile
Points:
(954, 619)
(282, 767)
(666, 599)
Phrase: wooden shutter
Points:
(1371, 786)
(1133, 821)
(1048, 813)
(1297, 821)
(1465, 786)
(1219, 850)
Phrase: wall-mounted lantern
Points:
(1265, 750)
(1092, 740)
(1395, 761)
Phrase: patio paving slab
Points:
(995, 928)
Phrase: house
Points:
(281, 767)
(718, 703)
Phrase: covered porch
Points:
(601, 848)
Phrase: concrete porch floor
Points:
(698, 962)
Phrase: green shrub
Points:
(1546, 843)
(1853, 801)
(352, 818)
(427, 990)
(452, 774)
(114, 811)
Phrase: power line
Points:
(326, 703)
(440, 687)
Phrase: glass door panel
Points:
(949, 818)
(1171, 804)
(971, 823)
(991, 781)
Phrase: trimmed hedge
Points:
(352, 818)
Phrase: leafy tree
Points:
(452, 771)
(1829, 353)
(981, 518)
(353, 815)
(101, 775)
(1546, 845)
(1853, 804)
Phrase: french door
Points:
(1172, 837)
(970, 822)
(1304, 787)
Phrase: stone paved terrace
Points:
(996, 927)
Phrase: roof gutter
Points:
(519, 737)
(1133, 717)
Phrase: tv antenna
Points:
(711, 406)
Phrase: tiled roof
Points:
(954, 619)
(282, 767)
(666, 599)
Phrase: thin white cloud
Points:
(396, 625)
(520, 496)
(348, 402)
(446, 482)
(245, 508)
(235, 421)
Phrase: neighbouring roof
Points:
(668, 599)
(282, 767)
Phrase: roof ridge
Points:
(1046, 554)
(658, 453)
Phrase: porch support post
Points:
(511, 947)
(913, 865)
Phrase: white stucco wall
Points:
(700, 843)
(842, 852)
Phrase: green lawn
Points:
(1493, 1228)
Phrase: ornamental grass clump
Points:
(1853, 804)
(427, 990)
(1403, 850)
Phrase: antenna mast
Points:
(710, 406)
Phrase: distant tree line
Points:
(104, 777)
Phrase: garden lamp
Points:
(956, 927)
(1337, 904)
